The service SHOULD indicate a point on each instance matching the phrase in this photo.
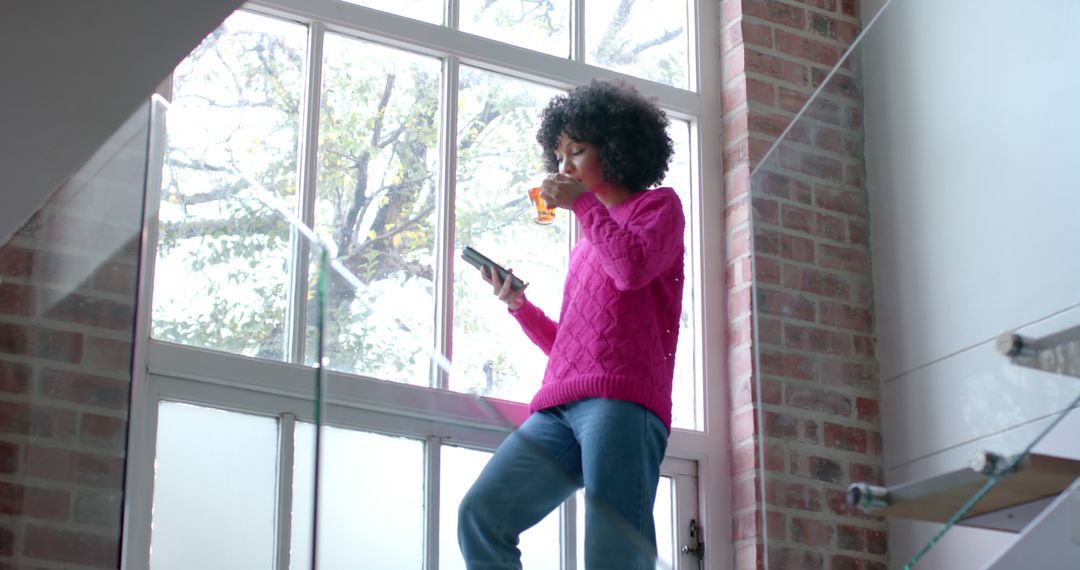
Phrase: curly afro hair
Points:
(629, 130)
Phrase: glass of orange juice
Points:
(544, 214)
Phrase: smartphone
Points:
(480, 261)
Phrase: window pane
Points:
(663, 518)
(541, 25)
(643, 38)
(371, 514)
(498, 161)
(686, 391)
(214, 490)
(378, 157)
(223, 257)
(460, 467)
(425, 10)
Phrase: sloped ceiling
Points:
(71, 73)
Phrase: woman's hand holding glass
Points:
(561, 191)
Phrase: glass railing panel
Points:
(890, 251)
(68, 282)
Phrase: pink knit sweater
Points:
(621, 303)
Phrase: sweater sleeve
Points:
(537, 326)
(648, 245)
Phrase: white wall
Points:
(973, 159)
(71, 73)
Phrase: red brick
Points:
(770, 331)
(843, 258)
(776, 12)
(858, 233)
(16, 261)
(24, 419)
(772, 124)
(781, 426)
(849, 8)
(866, 473)
(865, 346)
(785, 304)
(766, 210)
(852, 374)
(842, 201)
(816, 223)
(757, 34)
(849, 537)
(787, 365)
(99, 508)
(743, 426)
(733, 95)
(817, 340)
(806, 48)
(816, 467)
(34, 502)
(767, 270)
(829, 27)
(811, 532)
(9, 457)
(739, 302)
(86, 310)
(771, 391)
(70, 546)
(815, 281)
(787, 246)
(788, 558)
(777, 525)
(776, 67)
(74, 467)
(14, 339)
(818, 400)
(760, 91)
(866, 409)
(845, 316)
(746, 524)
(811, 164)
(847, 87)
(846, 438)
(745, 493)
(116, 278)
(84, 389)
(16, 299)
(15, 377)
(102, 431)
(108, 355)
(733, 63)
(768, 182)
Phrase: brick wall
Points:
(67, 298)
(814, 427)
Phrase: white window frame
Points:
(697, 460)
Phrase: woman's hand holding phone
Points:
(514, 298)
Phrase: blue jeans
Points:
(611, 448)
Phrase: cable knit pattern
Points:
(622, 299)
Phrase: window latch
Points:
(696, 548)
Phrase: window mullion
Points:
(577, 30)
(286, 464)
(306, 168)
(568, 532)
(445, 222)
(432, 492)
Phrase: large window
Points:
(398, 132)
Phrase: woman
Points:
(602, 416)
